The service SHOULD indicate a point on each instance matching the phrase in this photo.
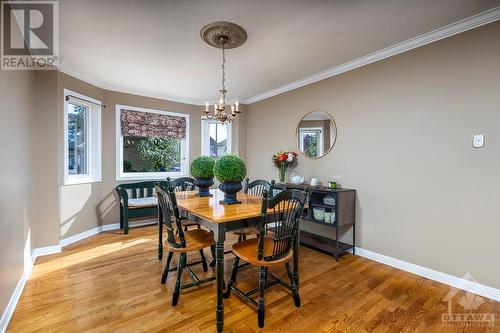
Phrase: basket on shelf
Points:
(319, 214)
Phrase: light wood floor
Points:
(111, 283)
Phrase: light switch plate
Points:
(478, 141)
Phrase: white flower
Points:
(290, 157)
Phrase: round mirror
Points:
(316, 134)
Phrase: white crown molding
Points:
(450, 280)
(472, 22)
(117, 88)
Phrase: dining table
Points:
(220, 218)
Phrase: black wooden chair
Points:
(137, 200)
(265, 252)
(257, 188)
(179, 184)
(181, 242)
(184, 184)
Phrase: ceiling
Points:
(153, 48)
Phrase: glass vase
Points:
(282, 171)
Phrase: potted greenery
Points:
(230, 170)
(202, 169)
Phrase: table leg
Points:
(219, 235)
(296, 260)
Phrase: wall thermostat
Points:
(478, 141)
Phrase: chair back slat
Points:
(257, 187)
(170, 212)
(286, 209)
(182, 184)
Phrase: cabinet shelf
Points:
(319, 222)
(312, 204)
(323, 244)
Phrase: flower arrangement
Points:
(282, 160)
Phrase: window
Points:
(311, 141)
(151, 144)
(215, 138)
(82, 139)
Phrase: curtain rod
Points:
(81, 99)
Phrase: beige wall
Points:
(16, 150)
(46, 161)
(405, 128)
(66, 210)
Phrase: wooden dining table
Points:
(220, 219)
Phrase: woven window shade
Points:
(146, 124)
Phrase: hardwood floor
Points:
(111, 283)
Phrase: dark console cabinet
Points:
(340, 211)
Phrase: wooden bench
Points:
(137, 200)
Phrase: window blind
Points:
(147, 124)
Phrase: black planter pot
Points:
(203, 185)
(230, 189)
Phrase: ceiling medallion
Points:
(223, 35)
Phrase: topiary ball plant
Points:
(230, 170)
(202, 168)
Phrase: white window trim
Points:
(120, 175)
(205, 136)
(320, 138)
(94, 165)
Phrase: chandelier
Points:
(223, 35)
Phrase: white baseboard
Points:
(97, 230)
(11, 306)
(45, 251)
(450, 280)
(86, 234)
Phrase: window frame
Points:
(93, 142)
(205, 136)
(121, 176)
(303, 131)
